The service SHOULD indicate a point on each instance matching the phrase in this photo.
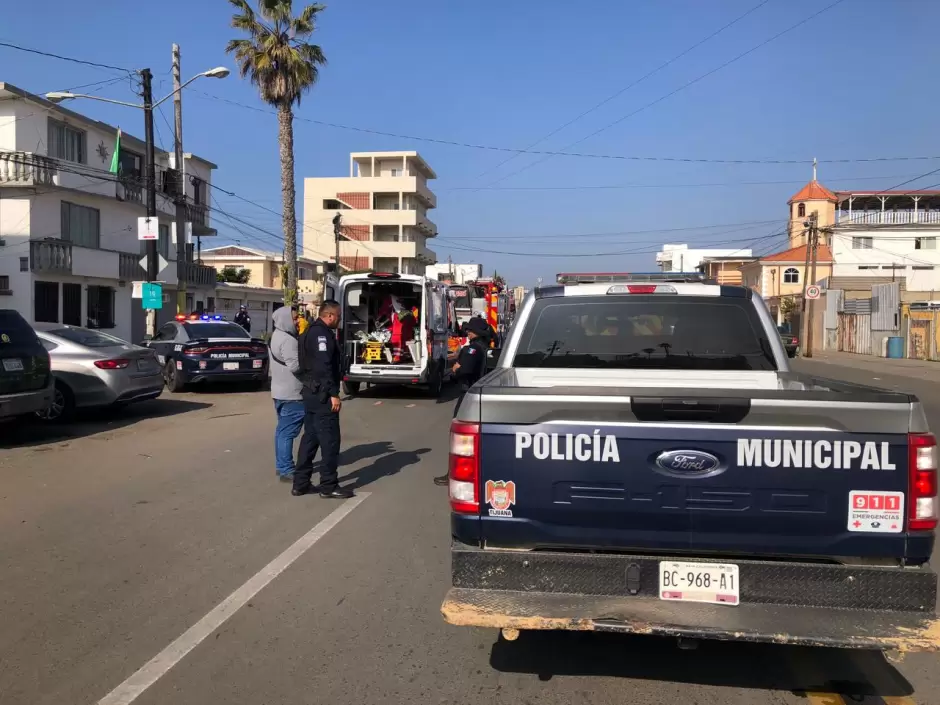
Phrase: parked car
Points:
(790, 342)
(26, 384)
(207, 348)
(95, 369)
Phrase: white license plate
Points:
(714, 583)
(229, 365)
(13, 364)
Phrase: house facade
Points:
(682, 258)
(69, 228)
(781, 275)
(264, 269)
(384, 204)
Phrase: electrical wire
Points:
(677, 90)
(628, 87)
(65, 58)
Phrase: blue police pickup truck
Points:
(642, 460)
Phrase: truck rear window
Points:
(645, 332)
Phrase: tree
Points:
(278, 60)
(233, 275)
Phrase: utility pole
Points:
(153, 267)
(814, 238)
(182, 243)
(337, 234)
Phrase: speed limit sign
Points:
(813, 292)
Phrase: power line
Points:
(555, 153)
(65, 58)
(679, 89)
(629, 86)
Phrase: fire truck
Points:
(486, 298)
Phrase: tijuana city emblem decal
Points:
(500, 495)
(688, 462)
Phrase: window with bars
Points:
(861, 243)
(100, 308)
(81, 225)
(67, 142)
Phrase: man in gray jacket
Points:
(285, 389)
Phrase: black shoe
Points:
(442, 480)
(310, 489)
(337, 493)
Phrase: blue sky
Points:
(855, 82)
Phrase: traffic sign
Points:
(813, 292)
(148, 228)
(152, 295)
(161, 263)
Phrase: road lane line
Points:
(160, 664)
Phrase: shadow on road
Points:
(725, 664)
(27, 432)
(387, 465)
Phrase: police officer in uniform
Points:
(320, 374)
(243, 319)
(470, 365)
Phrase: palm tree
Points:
(278, 60)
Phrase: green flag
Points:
(116, 157)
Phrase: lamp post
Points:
(148, 105)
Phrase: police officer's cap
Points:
(478, 326)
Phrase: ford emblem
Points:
(688, 462)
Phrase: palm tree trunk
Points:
(285, 125)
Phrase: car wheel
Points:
(351, 389)
(172, 378)
(62, 406)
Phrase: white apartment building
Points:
(886, 234)
(384, 204)
(68, 227)
(461, 273)
(682, 258)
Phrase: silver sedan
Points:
(94, 369)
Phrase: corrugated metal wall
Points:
(831, 319)
(885, 307)
(855, 333)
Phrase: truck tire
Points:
(351, 389)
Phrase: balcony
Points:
(198, 215)
(130, 189)
(395, 250)
(26, 169)
(129, 267)
(50, 256)
(888, 217)
(398, 184)
(196, 274)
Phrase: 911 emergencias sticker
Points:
(876, 511)
(500, 495)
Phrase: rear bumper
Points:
(24, 403)
(227, 376)
(788, 603)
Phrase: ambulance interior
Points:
(382, 322)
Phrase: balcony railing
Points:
(51, 256)
(198, 274)
(130, 188)
(891, 217)
(129, 267)
(26, 169)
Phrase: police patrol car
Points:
(207, 348)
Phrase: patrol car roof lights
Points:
(641, 289)
(922, 467)
(464, 467)
(569, 278)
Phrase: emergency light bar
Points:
(569, 278)
(199, 317)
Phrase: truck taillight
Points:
(922, 468)
(464, 467)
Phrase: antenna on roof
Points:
(814, 168)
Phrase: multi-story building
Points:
(264, 269)
(682, 258)
(69, 228)
(384, 204)
(459, 273)
(890, 235)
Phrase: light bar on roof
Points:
(569, 278)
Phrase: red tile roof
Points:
(814, 191)
(798, 254)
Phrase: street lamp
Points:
(147, 106)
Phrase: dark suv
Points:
(26, 382)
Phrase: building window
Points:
(66, 142)
(868, 266)
(24, 264)
(72, 304)
(199, 190)
(925, 243)
(163, 243)
(919, 266)
(801, 210)
(130, 165)
(861, 243)
(791, 275)
(895, 266)
(4, 283)
(46, 295)
(81, 225)
(396, 172)
(100, 307)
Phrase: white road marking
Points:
(160, 664)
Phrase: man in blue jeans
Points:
(286, 391)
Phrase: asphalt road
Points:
(161, 532)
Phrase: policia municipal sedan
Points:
(470, 366)
(320, 373)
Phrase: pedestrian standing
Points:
(243, 319)
(320, 375)
(470, 366)
(286, 390)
